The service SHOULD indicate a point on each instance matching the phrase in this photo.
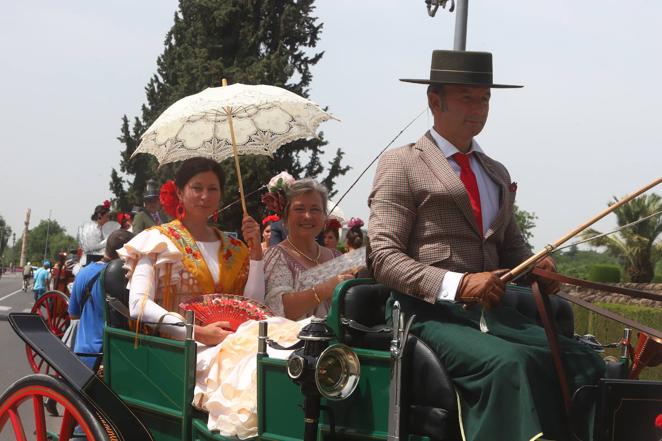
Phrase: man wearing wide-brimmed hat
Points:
(151, 214)
(441, 225)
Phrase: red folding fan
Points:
(210, 308)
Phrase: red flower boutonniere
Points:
(513, 187)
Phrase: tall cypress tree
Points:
(245, 41)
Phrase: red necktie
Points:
(468, 178)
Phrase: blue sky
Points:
(584, 127)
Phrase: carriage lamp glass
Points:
(295, 366)
(337, 372)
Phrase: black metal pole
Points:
(311, 417)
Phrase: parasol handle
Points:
(228, 112)
(524, 266)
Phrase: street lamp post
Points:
(460, 39)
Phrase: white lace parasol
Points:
(264, 118)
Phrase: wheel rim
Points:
(9, 412)
(52, 307)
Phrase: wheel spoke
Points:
(41, 362)
(39, 417)
(67, 427)
(16, 423)
(47, 314)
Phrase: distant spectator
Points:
(86, 300)
(41, 278)
(266, 230)
(354, 236)
(90, 234)
(151, 214)
(126, 221)
(332, 233)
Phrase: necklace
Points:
(316, 260)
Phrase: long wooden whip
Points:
(548, 249)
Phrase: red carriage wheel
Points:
(22, 406)
(37, 363)
(53, 306)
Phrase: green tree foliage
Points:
(58, 240)
(5, 235)
(635, 245)
(250, 42)
(526, 222)
(578, 263)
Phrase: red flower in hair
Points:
(332, 224)
(272, 218)
(168, 198)
(106, 203)
(513, 187)
(658, 421)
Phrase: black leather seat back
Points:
(428, 393)
(114, 285)
(365, 304)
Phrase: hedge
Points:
(604, 273)
(608, 331)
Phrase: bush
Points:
(604, 273)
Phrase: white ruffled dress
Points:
(225, 373)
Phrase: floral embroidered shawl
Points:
(233, 261)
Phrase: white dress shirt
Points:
(489, 202)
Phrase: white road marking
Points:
(5, 308)
(9, 295)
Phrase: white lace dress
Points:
(282, 273)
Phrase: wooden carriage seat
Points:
(114, 285)
(428, 393)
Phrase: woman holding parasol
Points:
(189, 257)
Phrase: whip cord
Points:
(377, 157)
(357, 179)
(238, 200)
(608, 233)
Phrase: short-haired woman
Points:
(304, 217)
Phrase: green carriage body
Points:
(155, 377)
(150, 380)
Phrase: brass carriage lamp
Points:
(322, 370)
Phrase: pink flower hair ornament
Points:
(355, 222)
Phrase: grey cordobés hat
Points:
(461, 67)
(152, 190)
